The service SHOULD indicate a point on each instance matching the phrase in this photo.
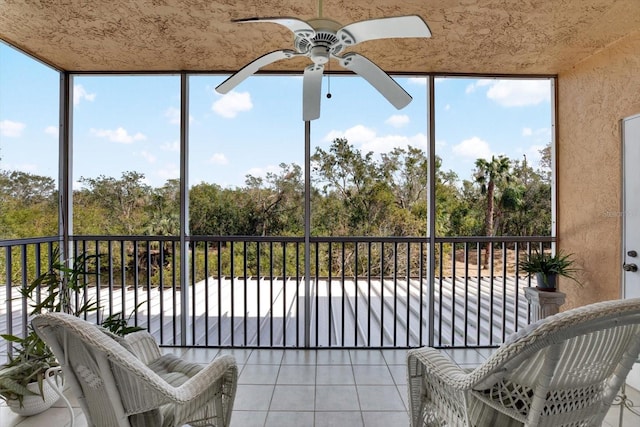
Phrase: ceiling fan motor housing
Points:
(324, 42)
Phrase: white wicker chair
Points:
(127, 382)
(564, 370)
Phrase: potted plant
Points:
(547, 267)
(22, 379)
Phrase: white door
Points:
(631, 219)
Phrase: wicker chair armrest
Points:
(223, 368)
(143, 345)
(437, 389)
(142, 389)
(436, 363)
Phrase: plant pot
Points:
(32, 405)
(549, 284)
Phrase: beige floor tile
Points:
(367, 357)
(372, 375)
(334, 374)
(380, 398)
(333, 357)
(339, 419)
(259, 374)
(385, 419)
(399, 374)
(337, 398)
(248, 418)
(297, 374)
(293, 398)
(290, 419)
(299, 357)
(253, 397)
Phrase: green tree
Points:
(277, 201)
(357, 182)
(489, 175)
(28, 203)
(123, 201)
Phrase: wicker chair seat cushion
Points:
(174, 371)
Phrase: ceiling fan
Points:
(323, 39)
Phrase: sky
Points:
(131, 123)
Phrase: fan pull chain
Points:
(319, 8)
(328, 79)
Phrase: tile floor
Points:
(310, 388)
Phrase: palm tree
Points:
(488, 175)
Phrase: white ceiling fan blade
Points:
(297, 26)
(252, 67)
(384, 28)
(388, 87)
(311, 92)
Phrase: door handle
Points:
(629, 267)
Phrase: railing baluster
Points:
(395, 292)
(232, 275)
(244, 272)
(454, 300)
(284, 294)
(258, 314)
(440, 294)
(369, 308)
(355, 292)
(343, 292)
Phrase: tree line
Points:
(353, 194)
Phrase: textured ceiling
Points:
(469, 36)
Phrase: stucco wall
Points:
(592, 98)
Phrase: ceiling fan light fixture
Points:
(319, 55)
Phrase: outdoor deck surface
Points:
(262, 312)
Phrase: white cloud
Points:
(447, 107)
(218, 159)
(514, 92)
(149, 157)
(262, 172)
(80, 93)
(398, 120)
(11, 129)
(52, 130)
(519, 93)
(173, 114)
(472, 148)
(118, 135)
(421, 81)
(478, 83)
(232, 103)
(539, 136)
(171, 146)
(367, 139)
(169, 171)
(384, 144)
(355, 135)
